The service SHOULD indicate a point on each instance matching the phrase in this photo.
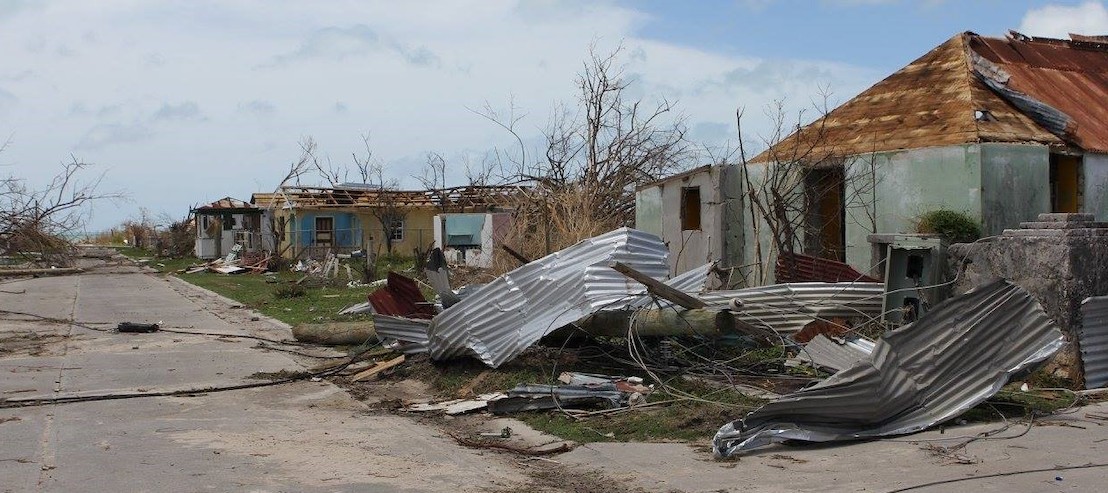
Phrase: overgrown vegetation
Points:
(956, 227)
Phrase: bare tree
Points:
(789, 188)
(365, 163)
(390, 209)
(594, 154)
(36, 221)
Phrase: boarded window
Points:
(690, 209)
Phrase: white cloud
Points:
(1058, 21)
(187, 110)
(405, 71)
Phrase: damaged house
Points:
(227, 222)
(311, 221)
(1002, 129)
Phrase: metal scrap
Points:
(954, 357)
(824, 352)
(1093, 341)
(788, 308)
(504, 317)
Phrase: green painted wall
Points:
(1015, 185)
(906, 184)
(1096, 185)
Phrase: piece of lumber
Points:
(377, 369)
(336, 333)
(659, 289)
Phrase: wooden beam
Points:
(657, 288)
(516, 255)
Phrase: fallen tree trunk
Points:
(656, 323)
(40, 272)
(336, 333)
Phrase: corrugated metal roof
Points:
(930, 102)
(507, 315)
(1071, 76)
(226, 204)
(954, 357)
(787, 308)
(1093, 341)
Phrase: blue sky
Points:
(185, 102)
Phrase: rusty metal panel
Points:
(815, 269)
(1093, 341)
(954, 357)
(400, 297)
(928, 103)
(1071, 76)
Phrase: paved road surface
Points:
(314, 437)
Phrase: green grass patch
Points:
(260, 292)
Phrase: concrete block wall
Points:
(1060, 259)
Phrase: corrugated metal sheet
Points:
(400, 297)
(1093, 341)
(787, 308)
(815, 269)
(227, 204)
(409, 331)
(1071, 76)
(954, 357)
(506, 316)
(824, 352)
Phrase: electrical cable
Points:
(997, 475)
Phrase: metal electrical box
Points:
(912, 267)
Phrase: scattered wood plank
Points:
(377, 369)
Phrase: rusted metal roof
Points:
(400, 297)
(936, 101)
(227, 204)
(815, 269)
(1069, 75)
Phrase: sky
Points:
(182, 103)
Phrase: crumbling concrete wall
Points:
(1060, 259)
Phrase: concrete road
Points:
(307, 436)
(312, 436)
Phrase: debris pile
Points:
(952, 358)
(236, 262)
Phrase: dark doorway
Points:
(825, 234)
(1065, 183)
